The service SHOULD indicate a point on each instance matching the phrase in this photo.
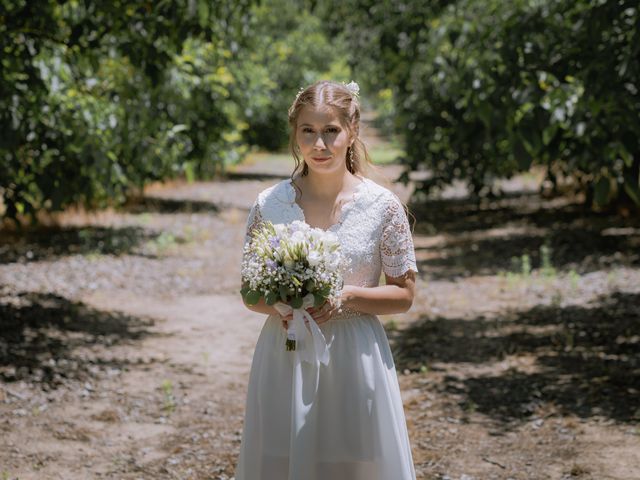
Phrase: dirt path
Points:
(125, 349)
(174, 397)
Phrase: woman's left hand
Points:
(324, 313)
(329, 309)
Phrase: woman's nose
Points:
(319, 143)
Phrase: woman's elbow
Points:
(407, 300)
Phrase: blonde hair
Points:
(346, 106)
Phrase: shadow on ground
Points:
(587, 358)
(169, 205)
(258, 175)
(483, 239)
(50, 243)
(44, 338)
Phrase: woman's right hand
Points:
(286, 319)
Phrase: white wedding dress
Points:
(343, 420)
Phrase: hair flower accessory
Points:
(354, 88)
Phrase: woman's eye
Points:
(307, 130)
(332, 130)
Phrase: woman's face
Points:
(323, 141)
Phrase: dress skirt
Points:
(340, 421)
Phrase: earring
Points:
(351, 157)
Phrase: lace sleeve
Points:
(396, 246)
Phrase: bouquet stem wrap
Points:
(304, 335)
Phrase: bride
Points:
(347, 424)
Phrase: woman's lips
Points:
(320, 159)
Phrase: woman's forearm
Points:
(381, 300)
(262, 307)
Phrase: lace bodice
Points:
(372, 227)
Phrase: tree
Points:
(97, 98)
(485, 89)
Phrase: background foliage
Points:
(485, 89)
(99, 98)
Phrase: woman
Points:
(350, 424)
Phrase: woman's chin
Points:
(330, 164)
(325, 168)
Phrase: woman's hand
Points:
(286, 319)
(329, 309)
(320, 315)
(324, 313)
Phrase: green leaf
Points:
(522, 155)
(548, 133)
(252, 297)
(531, 141)
(284, 292)
(625, 155)
(484, 111)
(601, 191)
(318, 300)
(296, 302)
(632, 188)
(189, 172)
(271, 298)
(203, 13)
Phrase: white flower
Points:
(314, 258)
(330, 237)
(298, 237)
(290, 255)
(354, 88)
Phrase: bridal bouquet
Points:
(292, 266)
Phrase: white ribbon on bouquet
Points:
(303, 329)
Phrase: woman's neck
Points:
(327, 186)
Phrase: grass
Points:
(521, 268)
(391, 325)
(521, 271)
(385, 153)
(547, 269)
(169, 403)
(162, 243)
(267, 157)
(574, 279)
